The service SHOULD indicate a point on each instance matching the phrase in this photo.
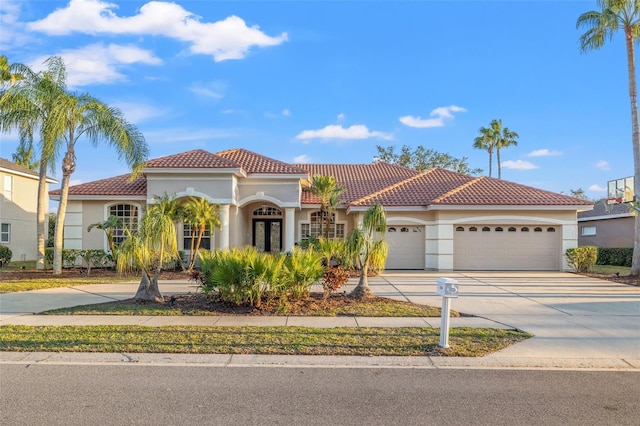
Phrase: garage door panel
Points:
(406, 247)
(522, 248)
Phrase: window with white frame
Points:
(587, 231)
(316, 227)
(8, 188)
(128, 216)
(190, 234)
(5, 233)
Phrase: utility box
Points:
(447, 287)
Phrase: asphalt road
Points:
(199, 395)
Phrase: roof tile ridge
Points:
(391, 187)
(457, 189)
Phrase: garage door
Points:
(507, 247)
(406, 247)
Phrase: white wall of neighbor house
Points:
(18, 204)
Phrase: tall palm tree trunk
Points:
(635, 139)
(68, 166)
(498, 159)
(490, 162)
(41, 231)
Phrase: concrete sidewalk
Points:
(578, 322)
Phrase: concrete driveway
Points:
(571, 316)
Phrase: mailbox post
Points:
(448, 289)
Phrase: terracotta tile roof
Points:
(486, 191)
(196, 159)
(118, 185)
(365, 184)
(6, 164)
(256, 163)
(359, 180)
(419, 190)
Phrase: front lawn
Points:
(409, 341)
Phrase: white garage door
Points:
(507, 247)
(406, 247)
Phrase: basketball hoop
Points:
(609, 203)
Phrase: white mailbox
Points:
(447, 287)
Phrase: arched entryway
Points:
(267, 228)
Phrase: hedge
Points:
(617, 256)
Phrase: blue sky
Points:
(327, 81)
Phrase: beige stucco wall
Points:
(20, 213)
(281, 192)
(217, 189)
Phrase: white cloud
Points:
(229, 38)
(98, 64)
(439, 115)
(13, 34)
(603, 165)
(597, 188)
(302, 159)
(286, 113)
(214, 89)
(544, 153)
(341, 117)
(518, 165)
(138, 112)
(334, 131)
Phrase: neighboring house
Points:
(606, 226)
(18, 204)
(437, 219)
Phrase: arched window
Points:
(473, 229)
(486, 229)
(404, 229)
(512, 229)
(499, 229)
(391, 229)
(127, 215)
(551, 229)
(267, 211)
(537, 229)
(524, 229)
(460, 228)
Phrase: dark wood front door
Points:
(267, 235)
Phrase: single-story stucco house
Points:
(437, 219)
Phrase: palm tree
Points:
(77, 116)
(487, 142)
(327, 188)
(368, 249)
(149, 248)
(27, 106)
(200, 214)
(504, 139)
(108, 226)
(10, 74)
(601, 25)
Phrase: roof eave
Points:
(511, 207)
(56, 197)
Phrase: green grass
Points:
(11, 286)
(17, 265)
(408, 341)
(608, 269)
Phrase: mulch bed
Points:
(622, 279)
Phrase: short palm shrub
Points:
(247, 276)
(582, 259)
(5, 255)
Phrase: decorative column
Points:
(290, 228)
(224, 228)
